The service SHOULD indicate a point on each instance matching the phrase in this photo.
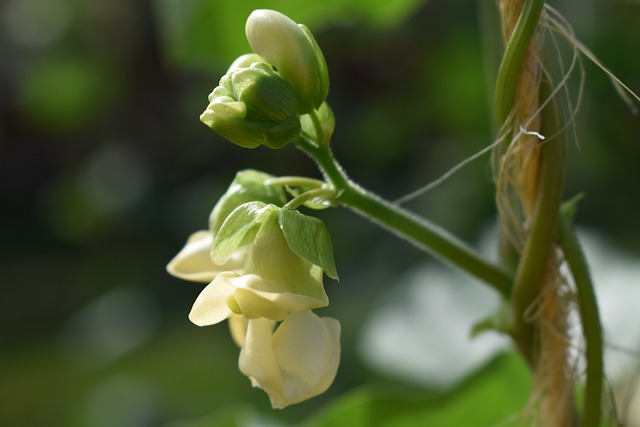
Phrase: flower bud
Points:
(252, 107)
(292, 49)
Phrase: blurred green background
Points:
(105, 170)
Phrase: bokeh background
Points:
(105, 170)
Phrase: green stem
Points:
(299, 200)
(424, 234)
(513, 56)
(541, 239)
(588, 308)
(294, 181)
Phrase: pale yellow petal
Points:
(238, 327)
(257, 359)
(307, 350)
(193, 261)
(255, 302)
(211, 305)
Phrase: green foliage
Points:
(63, 92)
(496, 394)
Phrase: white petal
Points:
(193, 262)
(257, 360)
(281, 42)
(211, 305)
(307, 350)
(297, 362)
(255, 302)
(238, 327)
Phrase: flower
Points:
(193, 262)
(274, 281)
(261, 262)
(296, 361)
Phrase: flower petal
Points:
(211, 305)
(238, 327)
(297, 362)
(193, 261)
(257, 359)
(307, 349)
(255, 302)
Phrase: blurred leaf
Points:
(238, 415)
(494, 395)
(206, 32)
(63, 92)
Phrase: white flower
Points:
(297, 361)
(194, 263)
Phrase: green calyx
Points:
(254, 106)
(307, 238)
(247, 186)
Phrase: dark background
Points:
(105, 170)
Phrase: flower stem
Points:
(316, 193)
(422, 233)
(588, 308)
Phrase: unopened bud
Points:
(294, 52)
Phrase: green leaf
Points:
(308, 238)
(496, 395)
(239, 229)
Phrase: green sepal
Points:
(268, 96)
(327, 125)
(254, 106)
(240, 229)
(308, 238)
(247, 186)
(321, 68)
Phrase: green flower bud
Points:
(253, 106)
(292, 49)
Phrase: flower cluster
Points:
(261, 98)
(265, 276)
